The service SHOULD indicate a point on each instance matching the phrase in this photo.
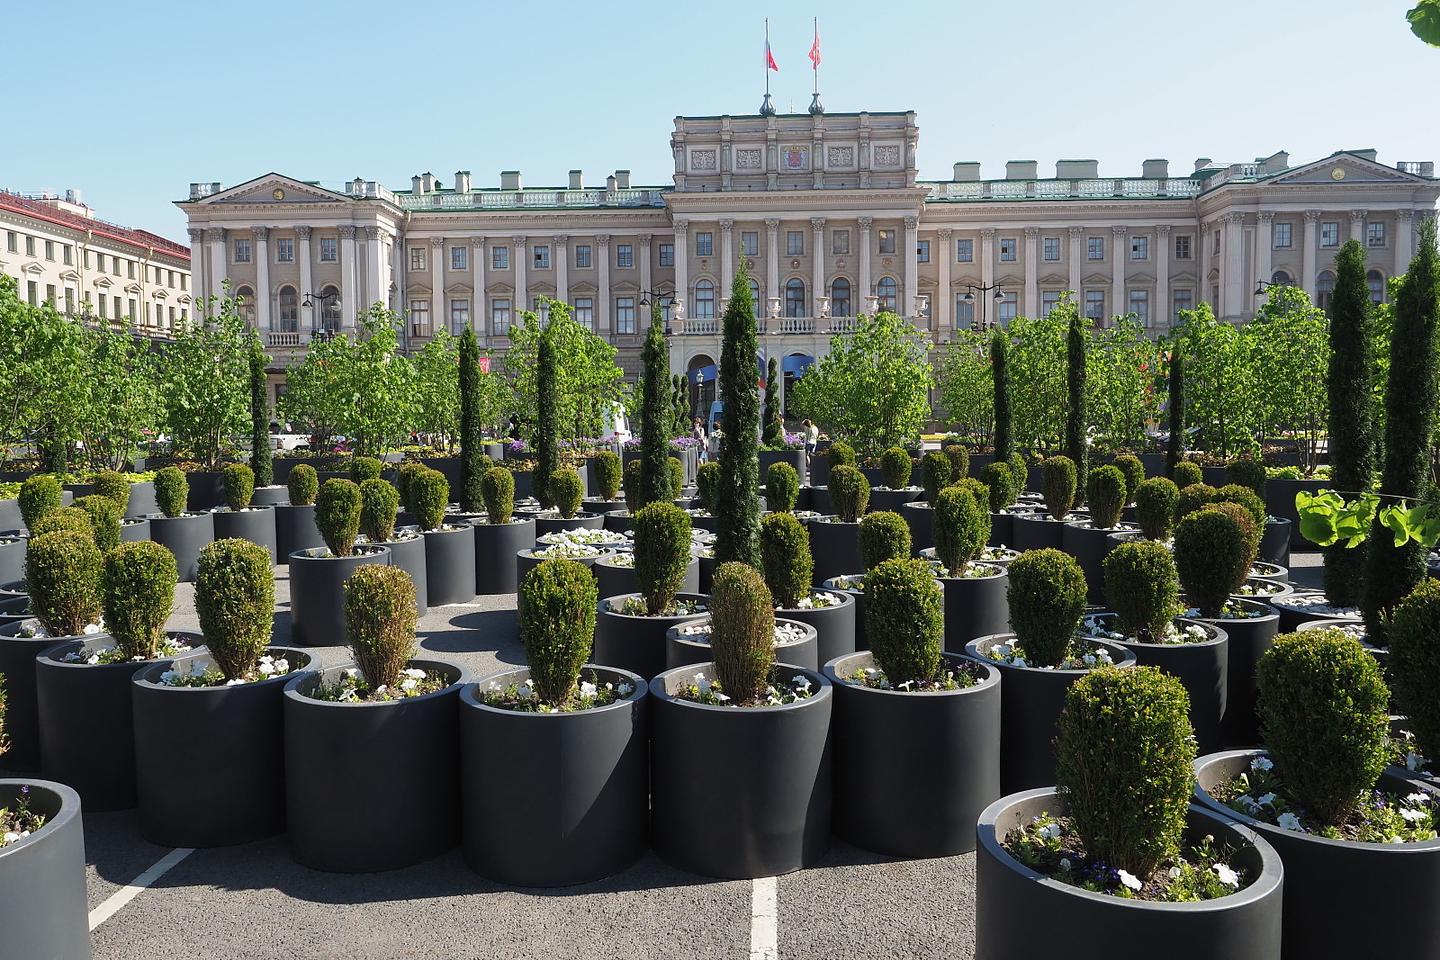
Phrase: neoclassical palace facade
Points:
(828, 214)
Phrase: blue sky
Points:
(129, 102)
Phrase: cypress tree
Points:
(656, 413)
(1392, 572)
(774, 427)
(260, 455)
(682, 404)
(472, 467)
(1349, 383)
(1175, 445)
(1075, 446)
(736, 500)
(547, 454)
(999, 368)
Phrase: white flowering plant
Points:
(18, 821)
(351, 687)
(1079, 656)
(952, 676)
(634, 606)
(172, 646)
(699, 632)
(703, 688)
(1101, 626)
(566, 550)
(204, 673)
(591, 692)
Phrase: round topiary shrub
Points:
(1211, 556)
(840, 454)
(1124, 757)
(172, 490)
(961, 526)
(707, 485)
(959, 456)
(1324, 717)
(1058, 485)
(999, 481)
(497, 487)
(1247, 472)
(364, 468)
(235, 601)
(905, 620)
(1142, 587)
(1243, 496)
(104, 515)
(1105, 493)
(742, 632)
(429, 495)
(849, 493)
(1019, 475)
(380, 621)
(1248, 529)
(662, 552)
(633, 493)
(304, 483)
(936, 473)
(239, 482)
(1414, 636)
(1197, 496)
(1156, 500)
(71, 519)
(782, 487)
(407, 472)
(38, 496)
(62, 573)
(896, 467)
(609, 473)
(1046, 596)
(337, 515)
(785, 559)
(1187, 473)
(138, 595)
(884, 535)
(566, 491)
(557, 605)
(1134, 471)
(379, 502)
(112, 484)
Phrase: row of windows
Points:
(102, 262)
(242, 251)
(1283, 234)
(540, 257)
(106, 307)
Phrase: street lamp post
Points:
(1264, 285)
(317, 330)
(971, 290)
(677, 306)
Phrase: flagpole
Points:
(817, 65)
(766, 66)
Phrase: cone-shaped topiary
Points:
(566, 492)
(961, 527)
(1077, 444)
(557, 605)
(235, 601)
(959, 456)
(473, 461)
(1105, 492)
(1143, 588)
(172, 490)
(337, 514)
(112, 484)
(1046, 596)
(1124, 759)
(1243, 496)
(1175, 411)
(662, 552)
(1414, 637)
(498, 489)
(379, 501)
(546, 438)
(609, 473)
(138, 594)
(738, 533)
(1000, 371)
(785, 558)
(239, 483)
(1019, 476)
(1324, 718)
(71, 519)
(1248, 530)
(62, 573)
(104, 516)
(841, 454)
(403, 476)
(1134, 472)
(1155, 502)
(38, 496)
(1350, 386)
(304, 483)
(380, 622)
(849, 493)
(677, 478)
(772, 425)
(1197, 496)
(884, 535)
(904, 620)
(707, 485)
(1210, 554)
(1059, 486)
(998, 478)
(936, 473)
(633, 500)
(742, 637)
(896, 467)
(262, 462)
(1247, 472)
(364, 468)
(1187, 473)
(782, 487)
(656, 411)
(429, 495)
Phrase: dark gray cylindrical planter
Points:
(43, 906)
(17, 666)
(207, 490)
(87, 737)
(1280, 503)
(1090, 546)
(889, 795)
(681, 649)
(760, 805)
(133, 530)
(186, 797)
(796, 459)
(1249, 638)
(617, 520)
(975, 607)
(13, 610)
(10, 518)
(636, 644)
(1036, 531)
(572, 804)
(1270, 571)
(602, 507)
(883, 498)
(615, 579)
(272, 496)
(256, 524)
(12, 559)
(1010, 899)
(495, 549)
(1324, 879)
(1275, 542)
(1031, 705)
(1261, 588)
(142, 500)
(857, 596)
(346, 762)
(835, 547)
(407, 551)
(450, 565)
(526, 560)
(1002, 525)
(708, 564)
(558, 524)
(834, 626)
(820, 500)
(295, 529)
(920, 518)
(524, 483)
(317, 593)
(1296, 608)
(184, 536)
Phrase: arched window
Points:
(330, 312)
(246, 296)
(840, 298)
(886, 290)
(1324, 289)
(1281, 277)
(1375, 280)
(704, 300)
(289, 311)
(795, 298)
(755, 297)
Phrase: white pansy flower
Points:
(1064, 863)
(1130, 880)
(415, 674)
(352, 672)
(408, 684)
(1418, 799)
(1089, 659)
(91, 629)
(722, 697)
(282, 665)
(1288, 821)
(1051, 831)
(1412, 815)
(1227, 876)
(1262, 764)
(267, 667)
(1267, 800)
(1173, 873)
(11, 837)
(588, 689)
(625, 689)
(1019, 662)
(169, 676)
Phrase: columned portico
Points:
(374, 258)
(987, 273)
(727, 257)
(912, 266)
(521, 254)
(1077, 242)
(560, 244)
(1232, 274)
(1162, 314)
(480, 316)
(866, 286)
(1404, 235)
(772, 263)
(682, 262)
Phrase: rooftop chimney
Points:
(1077, 169)
(577, 180)
(622, 179)
(1155, 169)
(417, 184)
(429, 182)
(1020, 169)
(462, 181)
(1202, 163)
(195, 193)
(510, 180)
(967, 171)
(610, 183)
(1367, 154)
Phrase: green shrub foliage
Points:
(905, 620)
(738, 534)
(1187, 473)
(138, 594)
(380, 621)
(896, 467)
(1247, 472)
(403, 476)
(1248, 530)
(841, 454)
(1105, 492)
(72, 519)
(662, 552)
(1047, 596)
(379, 502)
(1155, 503)
(961, 527)
(497, 488)
(959, 456)
(235, 600)
(772, 424)
(782, 487)
(707, 485)
(936, 473)
(884, 535)
(1414, 637)
(1000, 480)
(1019, 476)
(677, 477)
(172, 489)
(742, 638)
(429, 495)
(112, 484)
(1000, 371)
(1196, 496)
(1175, 443)
(1210, 554)
(1242, 495)
(239, 483)
(1142, 587)
(62, 573)
(473, 461)
(547, 439)
(656, 412)
(566, 491)
(557, 605)
(1124, 765)
(1059, 486)
(304, 483)
(337, 514)
(1077, 446)
(262, 458)
(609, 474)
(1350, 384)
(1324, 717)
(1134, 471)
(849, 493)
(38, 496)
(104, 515)
(633, 500)
(364, 468)
(785, 558)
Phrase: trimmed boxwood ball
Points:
(905, 620)
(497, 487)
(782, 487)
(364, 468)
(961, 526)
(337, 515)
(633, 498)
(1243, 496)
(1247, 472)
(959, 456)
(407, 472)
(235, 601)
(896, 467)
(62, 573)
(138, 594)
(936, 474)
(849, 493)
(840, 454)
(1047, 596)
(1134, 471)
(1324, 716)
(997, 478)
(429, 495)
(1105, 493)
(1210, 555)
(1414, 636)
(979, 489)
(1194, 497)
(304, 483)
(662, 553)
(1251, 532)
(566, 491)
(72, 519)
(884, 535)
(785, 558)
(742, 637)
(557, 606)
(677, 477)
(379, 502)
(172, 489)
(104, 515)
(1142, 587)
(707, 484)
(1058, 483)
(239, 482)
(380, 621)
(112, 484)
(1124, 765)
(1019, 475)
(38, 496)
(1155, 503)
(609, 473)
(1187, 473)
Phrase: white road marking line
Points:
(764, 920)
(131, 890)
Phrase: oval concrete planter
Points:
(13, 610)
(526, 560)
(617, 520)
(975, 607)
(43, 904)
(1249, 638)
(835, 546)
(834, 626)
(142, 500)
(635, 644)
(134, 530)
(17, 666)
(495, 549)
(883, 498)
(295, 529)
(796, 459)
(256, 524)
(450, 565)
(184, 536)
(681, 650)
(317, 593)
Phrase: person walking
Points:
(812, 439)
(697, 433)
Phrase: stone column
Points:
(1404, 240)
(727, 257)
(373, 267)
(521, 253)
(1232, 274)
(1307, 255)
(1357, 225)
(560, 250)
(643, 252)
(349, 289)
(261, 238)
(1160, 312)
(817, 279)
(1264, 246)
(682, 266)
(772, 265)
(219, 260)
(1032, 266)
(439, 316)
(1075, 251)
(602, 312)
(307, 277)
(944, 310)
(867, 288)
(1118, 254)
(479, 315)
(198, 254)
(912, 266)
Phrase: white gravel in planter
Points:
(1315, 603)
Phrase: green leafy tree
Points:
(1175, 443)
(42, 359)
(1350, 387)
(1424, 19)
(1291, 354)
(438, 397)
(315, 397)
(656, 413)
(588, 380)
(1000, 392)
(1122, 366)
(117, 402)
(966, 386)
(738, 537)
(262, 462)
(1077, 447)
(680, 397)
(1036, 363)
(205, 382)
(1221, 392)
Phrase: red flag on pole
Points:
(769, 57)
(815, 47)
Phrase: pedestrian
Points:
(812, 439)
(514, 427)
(697, 432)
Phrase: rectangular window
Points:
(459, 315)
(585, 312)
(840, 242)
(131, 314)
(32, 292)
(1182, 246)
(459, 258)
(1282, 236)
(1048, 300)
(1216, 251)
(242, 252)
(183, 281)
(624, 314)
(624, 256)
(1094, 248)
(29, 246)
(66, 254)
(1095, 304)
(420, 318)
(667, 254)
(417, 258)
(922, 251)
(1184, 300)
(1330, 234)
(794, 243)
(749, 244)
(1007, 249)
(1140, 305)
(887, 241)
(49, 249)
(1052, 249)
(131, 265)
(704, 244)
(1375, 234)
(964, 312)
(284, 250)
(1009, 304)
(582, 256)
(964, 251)
(500, 260)
(540, 256)
(12, 241)
(100, 305)
(50, 294)
(1139, 248)
(329, 250)
(500, 315)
